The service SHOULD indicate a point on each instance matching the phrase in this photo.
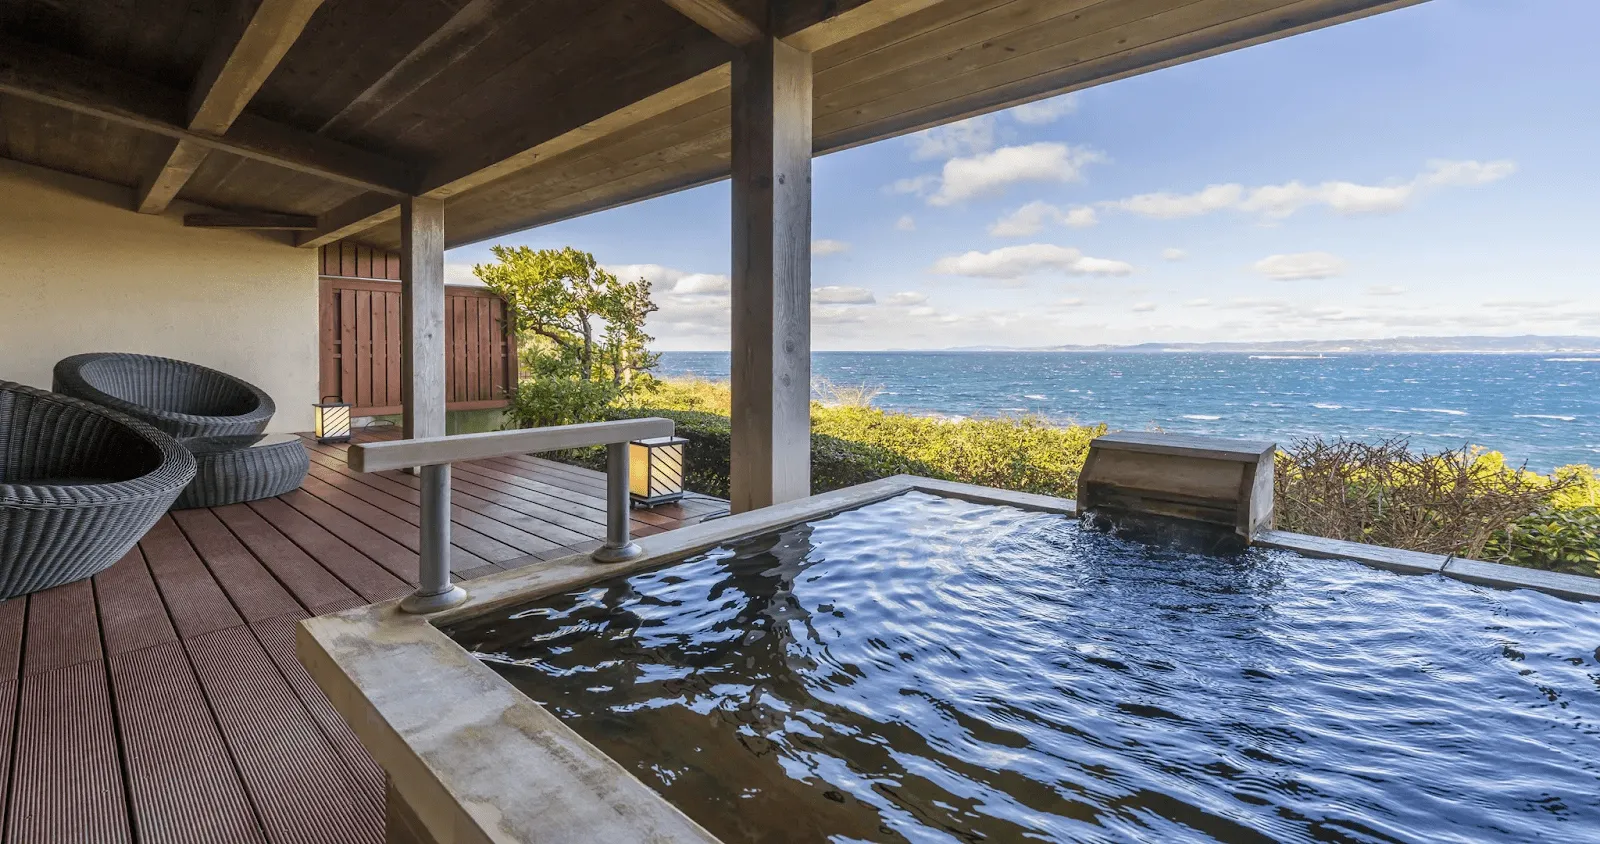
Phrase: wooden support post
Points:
(422, 317)
(771, 366)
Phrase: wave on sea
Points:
(1286, 357)
(1572, 360)
(1444, 410)
(1544, 416)
(1201, 417)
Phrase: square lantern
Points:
(333, 422)
(655, 470)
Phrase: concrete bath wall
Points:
(80, 272)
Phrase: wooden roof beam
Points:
(260, 220)
(261, 33)
(350, 219)
(498, 158)
(35, 73)
(720, 19)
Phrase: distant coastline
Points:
(1525, 344)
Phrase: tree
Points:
(593, 321)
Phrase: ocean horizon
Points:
(1542, 409)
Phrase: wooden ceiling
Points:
(524, 112)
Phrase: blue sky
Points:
(1432, 170)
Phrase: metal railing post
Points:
(618, 546)
(434, 590)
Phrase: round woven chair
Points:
(183, 399)
(79, 485)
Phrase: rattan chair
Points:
(183, 399)
(79, 485)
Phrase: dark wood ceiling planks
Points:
(522, 112)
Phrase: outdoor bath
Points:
(924, 661)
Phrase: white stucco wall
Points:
(79, 272)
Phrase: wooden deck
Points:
(161, 701)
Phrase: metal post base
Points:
(621, 554)
(419, 604)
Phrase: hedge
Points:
(835, 463)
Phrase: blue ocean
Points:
(1540, 409)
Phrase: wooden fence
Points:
(360, 338)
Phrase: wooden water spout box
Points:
(1146, 481)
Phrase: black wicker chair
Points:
(79, 485)
(183, 399)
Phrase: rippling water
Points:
(1542, 409)
(929, 670)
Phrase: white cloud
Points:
(1463, 174)
(919, 185)
(1072, 302)
(905, 224)
(906, 298)
(1300, 265)
(836, 295)
(1144, 307)
(1198, 303)
(1275, 202)
(668, 280)
(991, 172)
(1080, 217)
(823, 247)
(694, 307)
(1168, 206)
(1385, 290)
(1172, 254)
(1045, 111)
(963, 137)
(1013, 262)
(1030, 218)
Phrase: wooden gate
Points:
(360, 337)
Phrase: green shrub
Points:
(1027, 454)
(543, 401)
(1449, 502)
(1563, 540)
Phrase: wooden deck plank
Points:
(181, 779)
(66, 783)
(393, 556)
(132, 615)
(591, 493)
(465, 538)
(63, 628)
(8, 722)
(311, 584)
(254, 591)
(358, 571)
(195, 602)
(389, 525)
(302, 790)
(468, 518)
(13, 619)
(276, 635)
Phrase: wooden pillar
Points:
(771, 366)
(422, 317)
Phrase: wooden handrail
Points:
(434, 455)
(433, 451)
